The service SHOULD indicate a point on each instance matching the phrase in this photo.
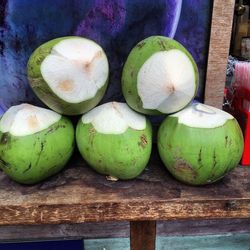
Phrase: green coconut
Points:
(69, 74)
(115, 140)
(200, 144)
(159, 77)
(35, 143)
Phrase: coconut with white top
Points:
(159, 77)
(69, 74)
(35, 143)
(200, 144)
(115, 140)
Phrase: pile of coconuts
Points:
(197, 143)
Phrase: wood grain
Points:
(64, 231)
(203, 227)
(120, 229)
(208, 242)
(142, 235)
(107, 244)
(220, 36)
(79, 195)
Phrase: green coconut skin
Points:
(137, 57)
(45, 93)
(32, 158)
(199, 156)
(123, 156)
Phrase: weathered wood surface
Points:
(220, 37)
(203, 227)
(79, 195)
(142, 235)
(208, 242)
(107, 244)
(212, 242)
(120, 229)
(86, 230)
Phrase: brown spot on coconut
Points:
(184, 169)
(32, 121)
(66, 85)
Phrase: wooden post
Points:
(142, 235)
(221, 29)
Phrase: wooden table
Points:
(78, 195)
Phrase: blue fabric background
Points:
(117, 25)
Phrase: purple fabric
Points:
(116, 25)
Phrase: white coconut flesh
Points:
(114, 118)
(202, 116)
(26, 119)
(166, 81)
(75, 69)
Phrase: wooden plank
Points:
(79, 195)
(203, 227)
(215, 242)
(142, 235)
(121, 229)
(107, 244)
(221, 28)
(65, 231)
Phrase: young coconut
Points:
(69, 74)
(35, 143)
(159, 76)
(115, 140)
(200, 144)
